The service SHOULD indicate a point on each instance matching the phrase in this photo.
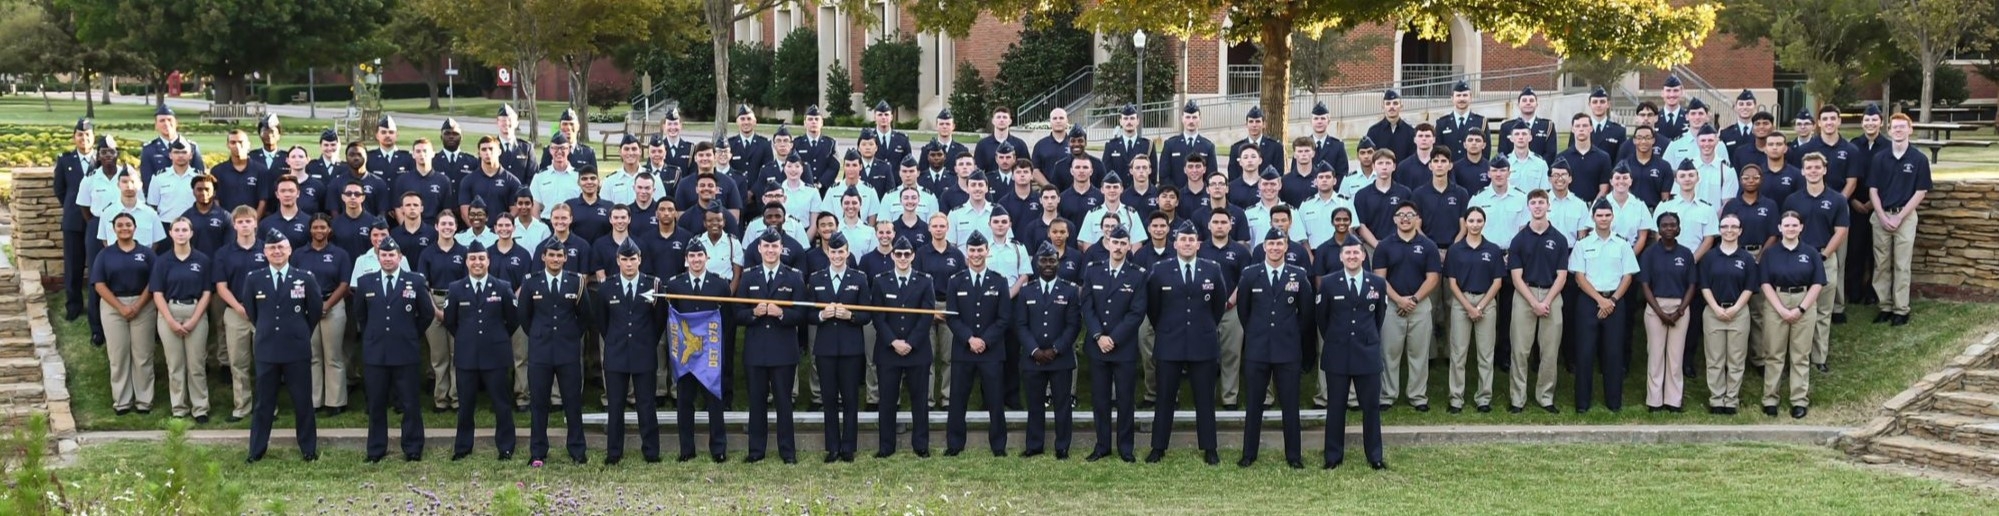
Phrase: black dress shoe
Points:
(1652, 409)
(252, 459)
(953, 452)
(923, 454)
(97, 340)
(1484, 409)
(791, 460)
(1714, 411)
(652, 459)
(1551, 409)
(1061, 454)
(1385, 407)
(720, 458)
(1454, 410)
(1839, 318)
(201, 420)
(121, 412)
(1901, 320)
(873, 407)
(883, 454)
(1295, 463)
(1331, 465)
(506, 456)
(1128, 458)
(1676, 409)
(684, 457)
(613, 461)
(1799, 412)
(1883, 317)
(1378, 465)
(520, 407)
(1155, 456)
(1352, 407)
(1770, 410)
(372, 459)
(832, 457)
(1730, 411)
(1025, 454)
(1582, 410)
(1423, 407)
(1245, 462)
(1211, 457)
(1821, 367)
(1231, 406)
(579, 459)
(1516, 409)
(233, 419)
(1001, 453)
(1096, 456)
(1147, 405)
(847, 457)
(439, 410)
(310, 457)
(1318, 406)
(753, 459)
(412, 457)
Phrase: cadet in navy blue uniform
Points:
(479, 311)
(1793, 274)
(386, 159)
(1181, 148)
(981, 298)
(1453, 127)
(902, 348)
(1113, 309)
(1119, 150)
(454, 163)
(1047, 319)
(376, 191)
(631, 320)
(700, 281)
(1186, 298)
(515, 153)
(749, 151)
(394, 311)
(838, 345)
(1351, 304)
(153, 156)
(121, 276)
(580, 156)
(771, 345)
(1275, 301)
(1392, 132)
(1540, 131)
(284, 305)
(552, 301)
(1589, 161)
(71, 169)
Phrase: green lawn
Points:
(481, 108)
(1487, 479)
(1870, 364)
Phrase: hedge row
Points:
(283, 93)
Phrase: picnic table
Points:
(1944, 128)
(1935, 146)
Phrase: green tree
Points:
(1316, 57)
(1050, 48)
(885, 70)
(795, 80)
(1931, 29)
(421, 42)
(750, 72)
(1117, 76)
(971, 99)
(839, 91)
(722, 16)
(227, 40)
(1828, 40)
(1656, 32)
(523, 33)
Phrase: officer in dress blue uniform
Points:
(72, 167)
(1120, 149)
(1275, 301)
(516, 154)
(631, 321)
(1540, 130)
(1269, 148)
(479, 311)
(1113, 310)
(1608, 135)
(552, 301)
(981, 298)
(394, 311)
(285, 306)
(1351, 303)
(1452, 127)
(902, 349)
(838, 347)
(1181, 147)
(154, 156)
(1392, 132)
(1672, 119)
(452, 161)
(699, 281)
(1047, 319)
(771, 337)
(893, 144)
(1186, 297)
(386, 159)
(748, 151)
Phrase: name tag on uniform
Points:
(1339, 298)
(1165, 287)
(370, 295)
(992, 293)
(614, 301)
(819, 288)
(755, 287)
(1096, 287)
(1030, 301)
(464, 303)
(537, 295)
(569, 296)
(260, 295)
(890, 296)
(963, 293)
(1061, 300)
(1447, 131)
(1256, 291)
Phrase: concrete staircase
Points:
(1947, 421)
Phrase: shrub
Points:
(1048, 51)
(608, 95)
(971, 99)
(885, 70)
(1950, 88)
(839, 92)
(794, 84)
(749, 72)
(282, 93)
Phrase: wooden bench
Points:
(234, 113)
(1936, 146)
(300, 98)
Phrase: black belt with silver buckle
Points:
(1794, 290)
(1752, 247)
(1894, 210)
(1726, 304)
(440, 292)
(183, 301)
(1544, 285)
(1470, 293)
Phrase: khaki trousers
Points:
(521, 368)
(1826, 305)
(187, 374)
(130, 343)
(1892, 253)
(444, 394)
(329, 358)
(236, 334)
(1727, 343)
(1665, 345)
(1229, 329)
(1407, 337)
(940, 362)
(1527, 329)
(1789, 345)
(1467, 335)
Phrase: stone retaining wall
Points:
(1957, 240)
(37, 222)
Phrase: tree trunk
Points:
(583, 95)
(46, 105)
(430, 81)
(1274, 40)
(110, 85)
(1929, 83)
(721, 32)
(524, 78)
(89, 103)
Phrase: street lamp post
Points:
(1138, 40)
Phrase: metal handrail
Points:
(1152, 119)
(1036, 108)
